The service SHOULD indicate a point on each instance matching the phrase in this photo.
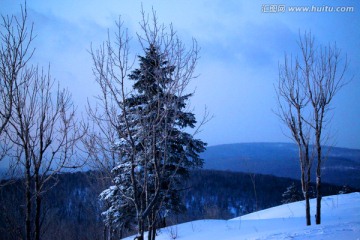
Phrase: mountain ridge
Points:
(341, 165)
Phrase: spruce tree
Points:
(292, 194)
(157, 152)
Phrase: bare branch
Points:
(16, 37)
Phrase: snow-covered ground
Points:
(340, 220)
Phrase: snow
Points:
(340, 220)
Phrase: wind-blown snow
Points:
(340, 220)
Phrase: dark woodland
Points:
(72, 209)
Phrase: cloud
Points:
(240, 51)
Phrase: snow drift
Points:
(340, 220)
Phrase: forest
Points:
(72, 209)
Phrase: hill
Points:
(340, 214)
(341, 165)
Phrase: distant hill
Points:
(341, 167)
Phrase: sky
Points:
(242, 44)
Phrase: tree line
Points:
(72, 209)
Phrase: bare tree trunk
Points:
(307, 198)
(141, 229)
(305, 194)
(152, 226)
(319, 117)
(152, 233)
(28, 201)
(307, 207)
(305, 189)
(318, 185)
(37, 205)
(305, 180)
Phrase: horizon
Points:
(3, 168)
(274, 143)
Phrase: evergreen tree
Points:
(156, 151)
(292, 194)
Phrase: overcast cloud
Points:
(241, 47)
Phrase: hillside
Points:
(341, 166)
(340, 214)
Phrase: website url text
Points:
(281, 8)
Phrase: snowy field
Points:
(340, 220)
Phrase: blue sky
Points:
(241, 47)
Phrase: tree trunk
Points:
(305, 179)
(318, 178)
(153, 233)
(307, 199)
(28, 201)
(150, 233)
(318, 200)
(38, 206)
(308, 175)
(152, 226)
(308, 216)
(37, 218)
(140, 235)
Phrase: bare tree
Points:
(292, 102)
(44, 132)
(323, 72)
(305, 91)
(143, 130)
(40, 127)
(102, 156)
(15, 52)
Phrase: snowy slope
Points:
(340, 220)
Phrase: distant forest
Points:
(72, 209)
